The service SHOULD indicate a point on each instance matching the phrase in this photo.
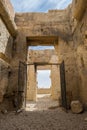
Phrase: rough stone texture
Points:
(31, 84)
(76, 107)
(55, 77)
(6, 43)
(19, 54)
(7, 14)
(3, 79)
(81, 5)
(65, 29)
(80, 45)
(44, 24)
(35, 25)
(41, 57)
(10, 8)
(6, 40)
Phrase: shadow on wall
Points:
(5, 71)
(9, 48)
(62, 34)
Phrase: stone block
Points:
(76, 107)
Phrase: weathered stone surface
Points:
(65, 29)
(6, 40)
(7, 14)
(76, 107)
(49, 58)
(46, 24)
(81, 5)
(3, 79)
(42, 56)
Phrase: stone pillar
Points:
(55, 78)
(31, 83)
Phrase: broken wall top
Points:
(53, 23)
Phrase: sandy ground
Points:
(43, 103)
(48, 119)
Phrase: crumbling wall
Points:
(19, 54)
(6, 42)
(7, 32)
(70, 25)
(3, 79)
(53, 23)
(67, 53)
(48, 57)
(80, 45)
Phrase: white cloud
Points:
(43, 78)
(63, 4)
(39, 5)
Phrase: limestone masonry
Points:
(66, 30)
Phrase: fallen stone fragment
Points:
(4, 111)
(76, 107)
(19, 111)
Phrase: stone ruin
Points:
(66, 30)
(45, 60)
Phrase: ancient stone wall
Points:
(6, 40)
(55, 78)
(7, 14)
(10, 8)
(41, 57)
(69, 25)
(54, 23)
(67, 53)
(7, 31)
(80, 45)
(44, 24)
(31, 84)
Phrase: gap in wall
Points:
(41, 47)
(43, 79)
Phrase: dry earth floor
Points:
(48, 119)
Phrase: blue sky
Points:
(39, 5)
(43, 78)
(41, 47)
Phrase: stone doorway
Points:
(43, 85)
(44, 59)
(42, 99)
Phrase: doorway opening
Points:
(41, 47)
(43, 91)
(42, 56)
(27, 78)
(43, 79)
